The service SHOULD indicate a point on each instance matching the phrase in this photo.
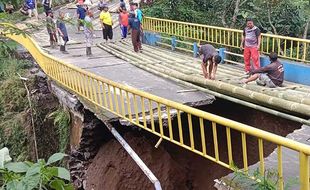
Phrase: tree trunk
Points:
(234, 18)
(306, 29)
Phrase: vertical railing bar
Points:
(215, 142)
(160, 121)
(143, 112)
(105, 98)
(203, 139)
(122, 102)
(244, 152)
(128, 106)
(135, 107)
(261, 157)
(99, 84)
(180, 127)
(95, 90)
(152, 115)
(280, 168)
(110, 98)
(304, 171)
(229, 147)
(191, 135)
(169, 123)
(116, 100)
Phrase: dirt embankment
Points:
(176, 168)
(113, 168)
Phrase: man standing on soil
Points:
(51, 29)
(210, 61)
(62, 31)
(270, 76)
(89, 32)
(123, 21)
(106, 23)
(250, 43)
(134, 25)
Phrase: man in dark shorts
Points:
(51, 29)
(270, 76)
(210, 61)
(47, 5)
(81, 13)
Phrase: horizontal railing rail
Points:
(287, 47)
(201, 127)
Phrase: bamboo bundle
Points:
(165, 64)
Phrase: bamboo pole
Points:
(219, 95)
(235, 91)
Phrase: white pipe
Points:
(137, 159)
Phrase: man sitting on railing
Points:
(209, 61)
(270, 76)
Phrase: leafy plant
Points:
(39, 175)
(62, 121)
(254, 180)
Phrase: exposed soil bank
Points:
(175, 167)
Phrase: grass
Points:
(62, 122)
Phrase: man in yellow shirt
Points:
(106, 23)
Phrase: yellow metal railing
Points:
(200, 128)
(286, 47)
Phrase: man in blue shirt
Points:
(134, 25)
(81, 13)
(31, 5)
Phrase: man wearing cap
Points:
(270, 76)
(210, 60)
(250, 43)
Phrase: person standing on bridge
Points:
(31, 8)
(62, 31)
(134, 25)
(123, 21)
(270, 76)
(47, 5)
(106, 23)
(89, 32)
(81, 13)
(250, 43)
(210, 61)
(51, 29)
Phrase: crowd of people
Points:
(270, 76)
(129, 21)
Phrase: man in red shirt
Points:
(270, 76)
(250, 43)
(123, 21)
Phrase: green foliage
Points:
(62, 122)
(40, 175)
(254, 180)
(12, 105)
(288, 17)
